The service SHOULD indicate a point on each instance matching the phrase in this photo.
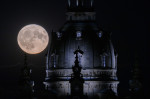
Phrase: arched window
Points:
(104, 60)
(59, 35)
(100, 34)
(78, 35)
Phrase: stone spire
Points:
(26, 83)
(80, 5)
(135, 82)
(136, 71)
(77, 78)
(26, 70)
(77, 69)
(80, 10)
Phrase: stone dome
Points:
(92, 40)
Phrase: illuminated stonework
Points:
(99, 61)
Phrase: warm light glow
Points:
(33, 39)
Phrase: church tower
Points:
(135, 84)
(99, 62)
(26, 84)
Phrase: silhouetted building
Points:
(97, 68)
(26, 84)
(136, 88)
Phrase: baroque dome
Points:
(94, 42)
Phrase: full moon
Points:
(33, 39)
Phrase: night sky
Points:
(126, 19)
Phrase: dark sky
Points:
(126, 19)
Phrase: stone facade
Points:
(99, 61)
